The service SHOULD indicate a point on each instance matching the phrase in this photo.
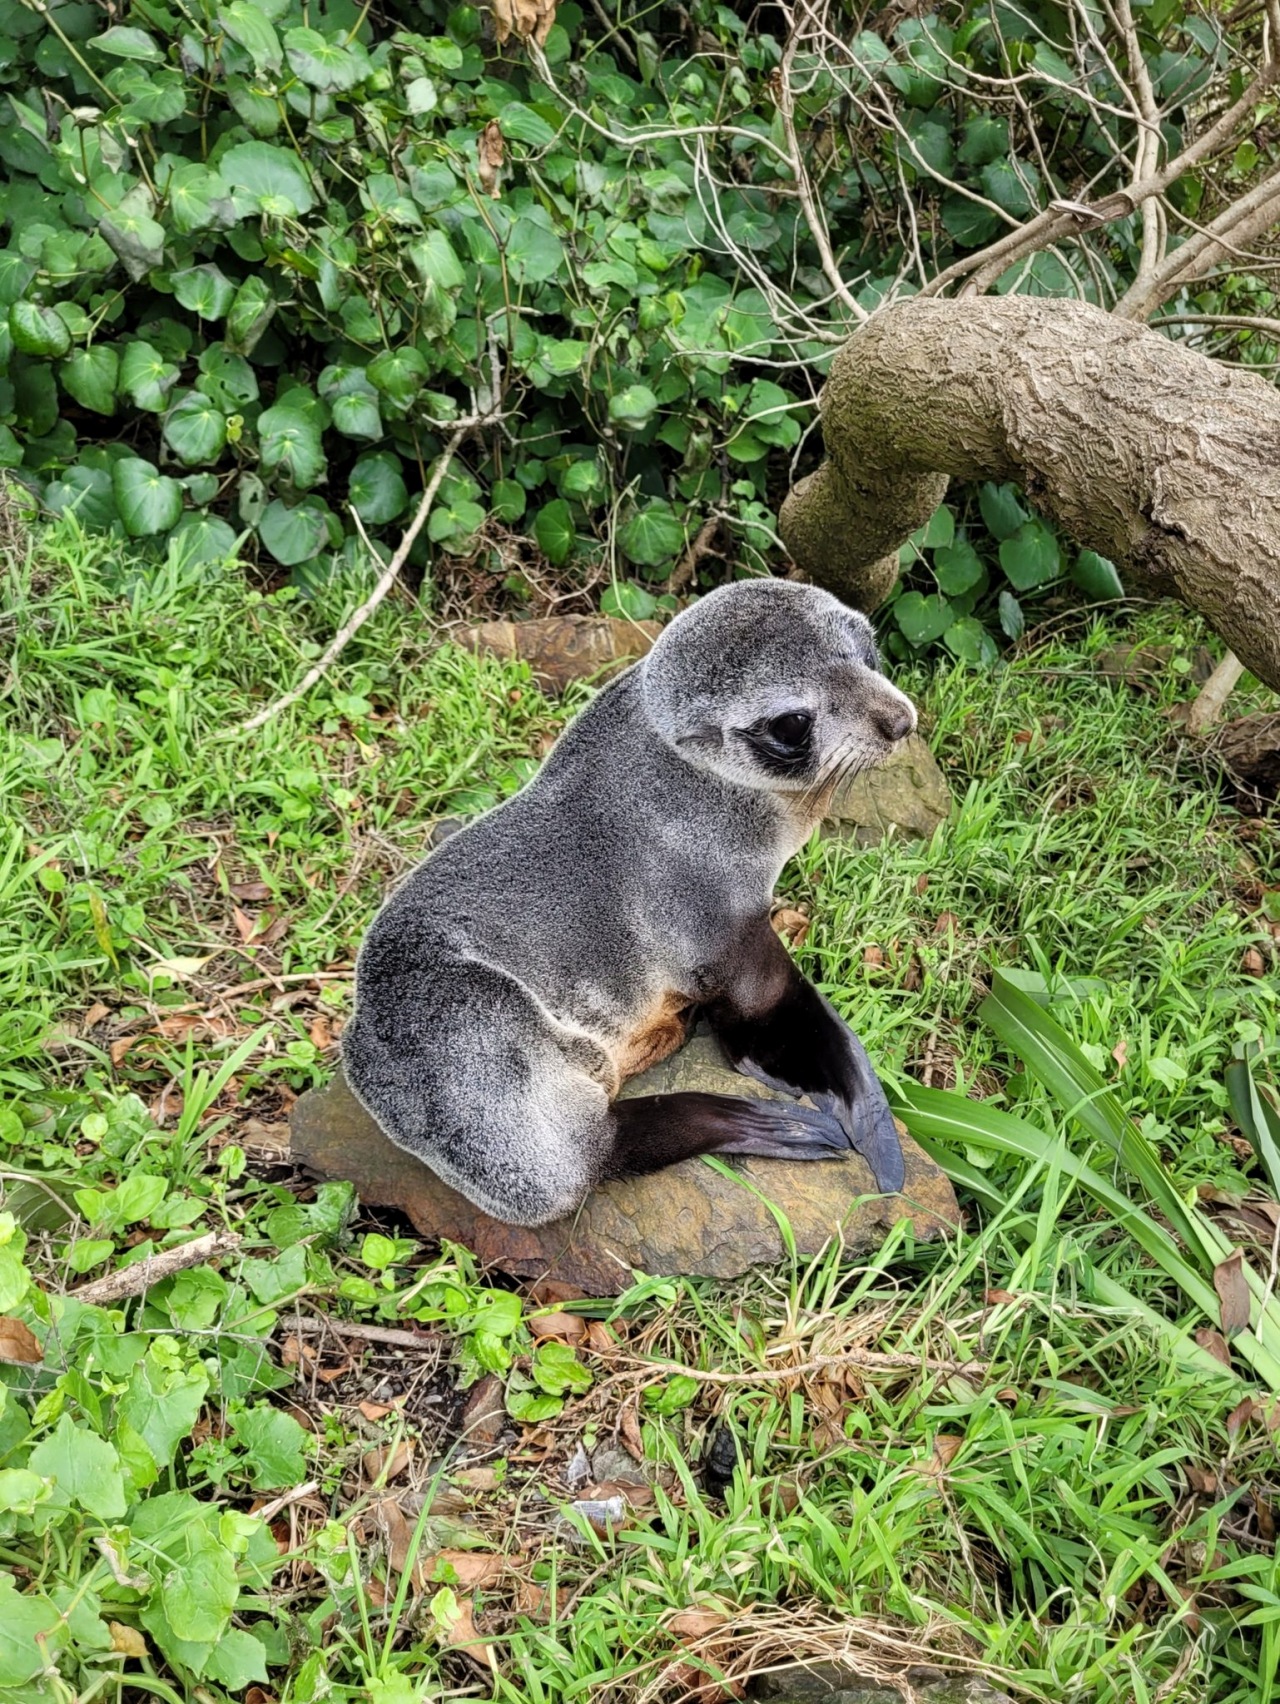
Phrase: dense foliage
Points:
(261, 255)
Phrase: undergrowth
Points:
(953, 1452)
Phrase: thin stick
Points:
(316, 1327)
(1213, 695)
(269, 1511)
(873, 1360)
(387, 579)
(133, 1280)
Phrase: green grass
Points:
(1048, 1488)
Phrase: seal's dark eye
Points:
(791, 730)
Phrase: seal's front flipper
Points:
(653, 1131)
(777, 1028)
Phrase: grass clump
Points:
(1007, 1454)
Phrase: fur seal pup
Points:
(564, 941)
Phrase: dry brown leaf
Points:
(18, 1344)
(397, 1534)
(274, 932)
(490, 152)
(523, 18)
(997, 1298)
(1233, 1293)
(127, 1640)
(1215, 1343)
(1120, 1053)
(1202, 1480)
(561, 1327)
(946, 1446)
(472, 1567)
(600, 1340)
(374, 1410)
(535, 1601)
(922, 883)
(245, 925)
(1265, 1517)
(259, 1695)
(696, 1623)
(947, 924)
(1253, 963)
(120, 1047)
(321, 1033)
(873, 958)
(476, 1478)
(461, 1635)
(791, 925)
(252, 891)
(386, 1461)
(95, 1015)
(629, 1432)
(1240, 1416)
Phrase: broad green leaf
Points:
(534, 253)
(921, 618)
(562, 355)
(121, 42)
(957, 567)
(296, 534)
(24, 1617)
(508, 500)
(1015, 187)
(274, 1444)
(1001, 510)
(198, 1588)
(85, 1467)
(434, 257)
(398, 373)
(653, 535)
(38, 331)
(1012, 620)
(627, 600)
(86, 491)
(206, 290)
(521, 123)
(162, 1404)
(227, 378)
(1095, 575)
(290, 447)
(249, 25)
(969, 640)
(983, 139)
(1032, 556)
(356, 415)
(554, 530)
(237, 1661)
(91, 376)
(134, 237)
(633, 408)
(157, 98)
(148, 501)
(198, 199)
(453, 523)
(329, 66)
(196, 430)
(753, 227)
(266, 178)
(971, 224)
(202, 538)
(376, 490)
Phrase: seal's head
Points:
(775, 686)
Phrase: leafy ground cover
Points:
(1006, 1451)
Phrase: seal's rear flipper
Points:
(652, 1131)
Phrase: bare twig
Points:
(323, 1324)
(299, 1494)
(133, 1280)
(1214, 694)
(385, 581)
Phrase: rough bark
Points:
(1144, 451)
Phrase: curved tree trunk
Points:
(1146, 452)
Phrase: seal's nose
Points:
(894, 719)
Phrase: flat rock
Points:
(687, 1219)
(908, 796)
(833, 1683)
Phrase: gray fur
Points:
(495, 990)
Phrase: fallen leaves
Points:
(1233, 1293)
(523, 18)
(791, 925)
(127, 1641)
(387, 1461)
(18, 1344)
(1214, 1343)
(490, 153)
